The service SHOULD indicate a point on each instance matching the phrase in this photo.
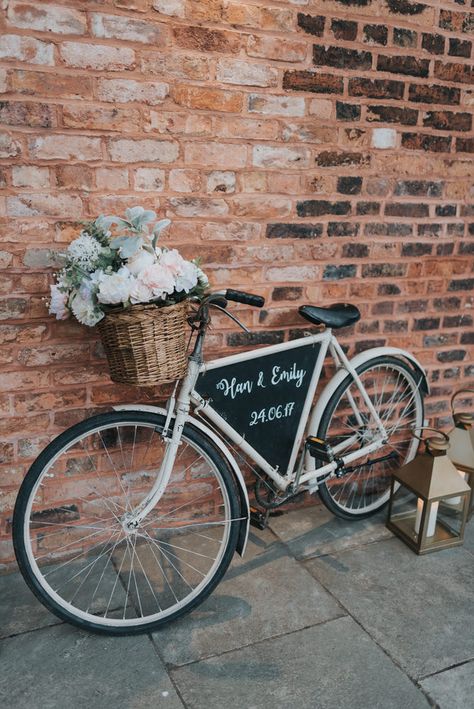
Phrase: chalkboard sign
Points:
(262, 398)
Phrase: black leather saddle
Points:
(337, 315)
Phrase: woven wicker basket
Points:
(145, 344)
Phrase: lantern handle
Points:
(456, 393)
(433, 444)
(428, 428)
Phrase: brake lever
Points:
(232, 317)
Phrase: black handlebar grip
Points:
(247, 298)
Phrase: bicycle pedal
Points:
(319, 449)
(258, 519)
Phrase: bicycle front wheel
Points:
(394, 390)
(75, 549)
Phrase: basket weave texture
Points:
(145, 344)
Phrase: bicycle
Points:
(129, 519)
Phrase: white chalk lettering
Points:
(288, 375)
(233, 388)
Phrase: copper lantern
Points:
(429, 500)
(461, 450)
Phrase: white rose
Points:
(173, 260)
(141, 260)
(58, 303)
(188, 277)
(85, 310)
(115, 288)
(159, 279)
(140, 293)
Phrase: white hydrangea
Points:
(139, 261)
(159, 279)
(85, 310)
(84, 251)
(58, 303)
(116, 287)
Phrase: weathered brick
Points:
(122, 27)
(404, 38)
(349, 185)
(218, 155)
(97, 56)
(293, 231)
(129, 90)
(287, 293)
(268, 156)
(381, 270)
(347, 111)
(344, 29)
(29, 114)
(149, 179)
(429, 93)
(276, 105)
(392, 114)
(416, 188)
(405, 209)
(446, 120)
(416, 249)
(30, 176)
(419, 141)
(445, 210)
(46, 18)
(376, 88)
(406, 7)
(461, 284)
(179, 66)
(233, 71)
(355, 251)
(221, 181)
(341, 58)
(26, 49)
(365, 208)
(333, 158)
(384, 138)
(343, 229)
(146, 150)
(314, 208)
(110, 119)
(375, 34)
(465, 145)
(172, 8)
(456, 21)
(461, 73)
(433, 43)
(65, 147)
(33, 205)
(411, 66)
(312, 81)
(78, 177)
(207, 40)
(287, 50)
(336, 273)
(36, 83)
(311, 24)
(459, 47)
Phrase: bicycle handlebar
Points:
(247, 298)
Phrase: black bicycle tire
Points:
(324, 495)
(195, 436)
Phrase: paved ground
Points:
(319, 614)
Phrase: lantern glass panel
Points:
(450, 514)
(404, 512)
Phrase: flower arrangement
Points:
(102, 269)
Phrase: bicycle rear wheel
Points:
(72, 543)
(395, 392)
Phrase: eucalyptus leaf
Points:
(162, 224)
(131, 246)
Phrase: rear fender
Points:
(218, 443)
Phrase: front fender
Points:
(355, 362)
(218, 443)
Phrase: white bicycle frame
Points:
(178, 414)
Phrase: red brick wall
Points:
(309, 151)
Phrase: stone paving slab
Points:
(20, 611)
(418, 608)
(266, 593)
(64, 667)
(330, 666)
(314, 531)
(469, 536)
(452, 689)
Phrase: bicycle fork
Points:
(133, 519)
